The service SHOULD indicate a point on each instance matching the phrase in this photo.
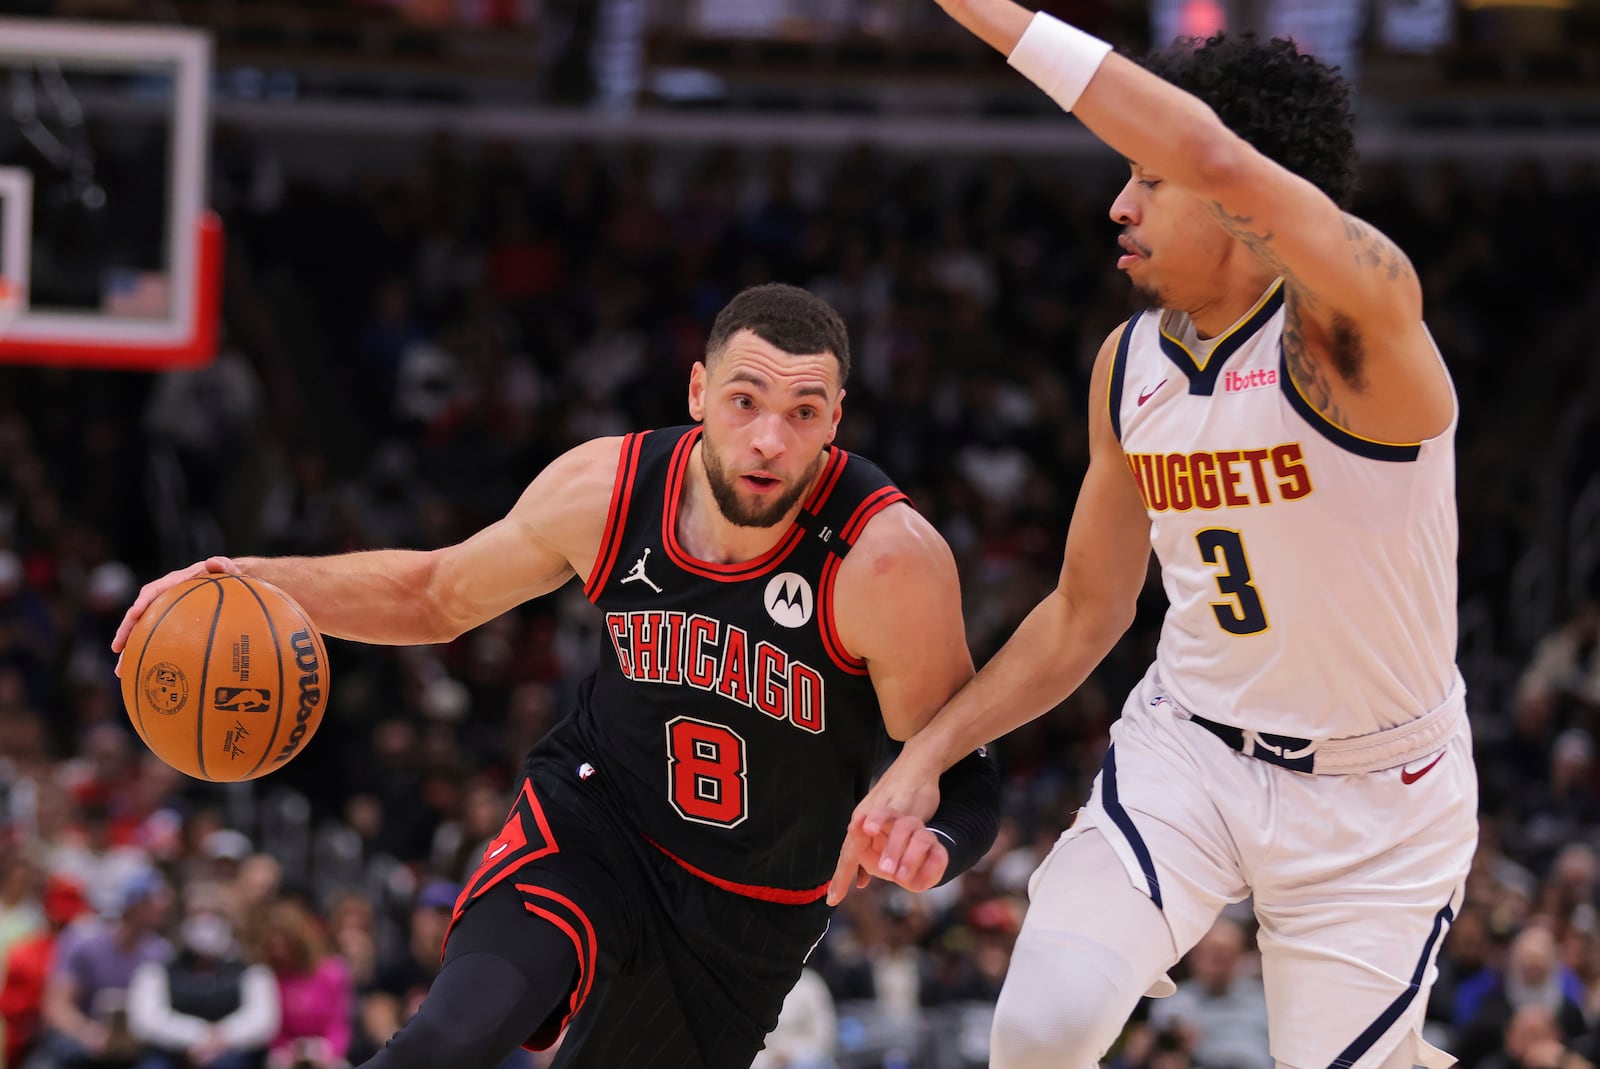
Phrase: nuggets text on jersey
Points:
(1231, 478)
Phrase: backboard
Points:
(105, 239)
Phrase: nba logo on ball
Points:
(788, 599)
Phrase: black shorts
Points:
(673, 971)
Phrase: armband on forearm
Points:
(968, 817)
(1058, 58)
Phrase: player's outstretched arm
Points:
(898, 607)
(1344, 278)
(409, 597)
(1049, 656)
(1175, 137)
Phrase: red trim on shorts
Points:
(588, 950)
(617, 516)
(780, 895)
(491, 870)
(736, 572)
(588, 928)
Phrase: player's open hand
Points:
(905, 851)
(156, 587)
(888, 837)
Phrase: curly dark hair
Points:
(1292, 108)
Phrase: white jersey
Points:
(1310, 572)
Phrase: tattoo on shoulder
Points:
(1372, 250)
(1259, 242)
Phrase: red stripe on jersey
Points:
(617, 517)
(870, 507)
(837, 459)
(738, 571)
(830, 632)
(782, 896)
(874, 503)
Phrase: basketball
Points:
(225, 678)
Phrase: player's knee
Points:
(426, 1043)
(1060, 1008)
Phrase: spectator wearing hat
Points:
(402, 981)
(206, 1008)
(28, 965)
(85, 998)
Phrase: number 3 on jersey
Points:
(705, 772)
(1244, 615)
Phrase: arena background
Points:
(464, 235)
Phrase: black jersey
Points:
(726, 723)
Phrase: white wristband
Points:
(1058, 58)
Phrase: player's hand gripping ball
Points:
(225, 678)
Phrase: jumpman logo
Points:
(637, 573)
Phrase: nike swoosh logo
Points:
(1145, 395)
(497, 851)
(1407, 776)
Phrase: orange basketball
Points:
(225, 678)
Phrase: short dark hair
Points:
(793, 319)
(1291, 107)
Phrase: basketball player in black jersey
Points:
(775, 613)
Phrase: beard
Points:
(741, 513)
(1143, 298)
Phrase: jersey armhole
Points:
(1119, 372)
(616, 516)
(874, 504)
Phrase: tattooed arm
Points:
(1355, 302)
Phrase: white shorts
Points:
(1355, 878)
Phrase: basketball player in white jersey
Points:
(1279, 427)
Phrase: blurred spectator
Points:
(205, 1009)
(27, 966)
(1533, 978)
(403, 980)
(807, 1030)
(1565, 668)
(315, 994)
(86, 997)
(1223, 1006)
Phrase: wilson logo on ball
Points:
(305, 659)
(166, 688)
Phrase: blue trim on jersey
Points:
(1203, 377)
(1398, 452)
(1124, 823)
(1119, 371)
(1363, 1043)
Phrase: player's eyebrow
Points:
(760, 382)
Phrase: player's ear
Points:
(838, 410)
(697, 391)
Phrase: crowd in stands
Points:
(404, 352)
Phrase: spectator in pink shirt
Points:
(315, 991)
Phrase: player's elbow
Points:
(1221, 159)
(442, 615)
(1094, 620)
